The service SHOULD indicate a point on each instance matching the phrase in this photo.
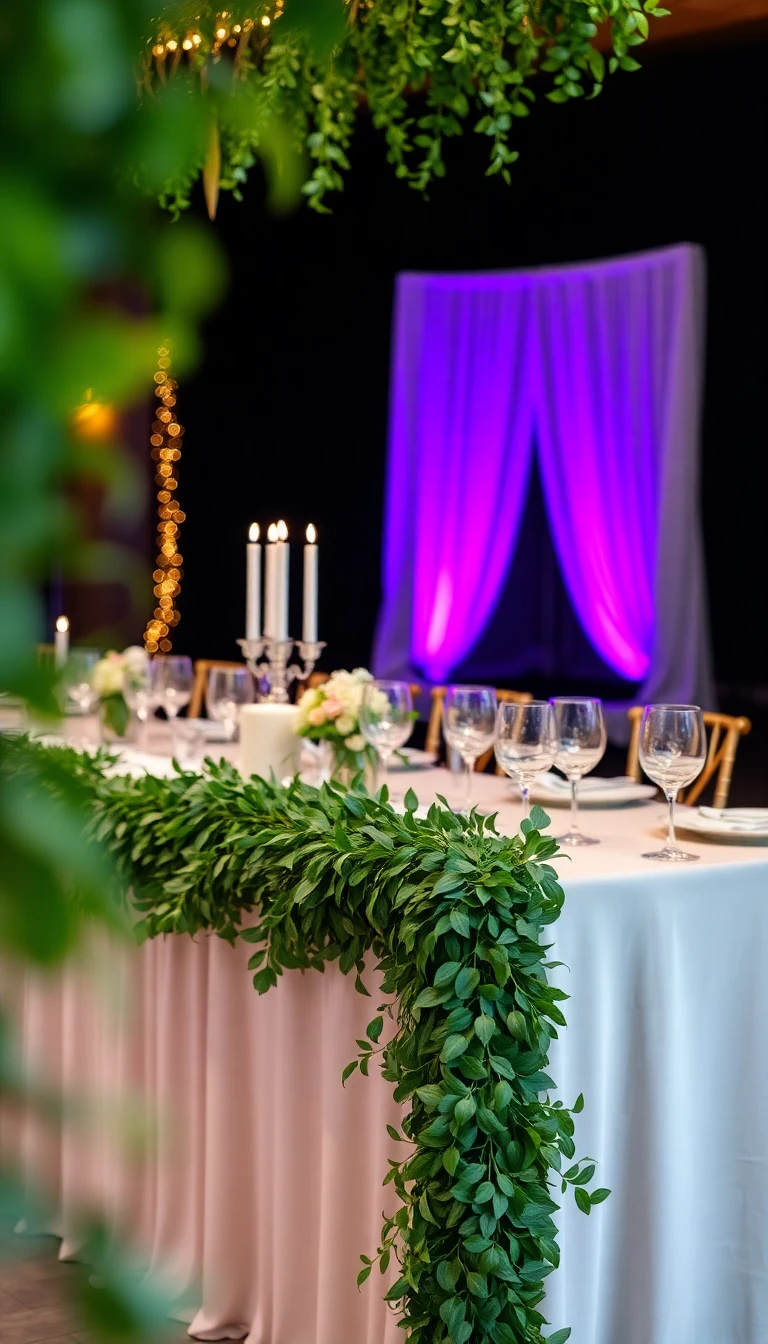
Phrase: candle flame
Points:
(253, 532)
(62, 624)
(282, 531)
(311, 534)
(272, 532)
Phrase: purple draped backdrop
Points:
(597, 368)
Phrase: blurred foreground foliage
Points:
(92, 279)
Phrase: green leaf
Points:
(464, 1110)
(582, 1199)
(363, 1275)
(517, 1025)
(560, 1336)
(349, 1070)
(459, 921)
(425, 1210)
(446, 974)
(597, 1196)
(578, 1104)
(466, 981)
(484, 1028)
(410, 801)
(374, 1028)
(454, 1046)
(451, 1158)
(585, 1175)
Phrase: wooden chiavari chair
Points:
(723, 734)
(435, 725)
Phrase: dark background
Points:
(287, 415)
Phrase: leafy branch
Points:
(454, 913)
(425, 69)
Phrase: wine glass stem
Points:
(525, 794)
(384, 755)
(469, 763)
(574, 806)
(671, 838)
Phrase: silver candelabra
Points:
(269, 660)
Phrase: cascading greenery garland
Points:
(425, 69)
(453, 911)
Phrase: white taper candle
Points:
(309, 629)
(61, 641)
(283, 576)
(271, 581)
(253, 584)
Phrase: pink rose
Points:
(316, 716)
(333, 708)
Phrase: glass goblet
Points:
(525, 743)
(469, 721)
(672, 751)
(139, 697)
(581, 741)
(226, 690)
(386, 718)
(171, 682)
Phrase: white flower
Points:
(346, 724)
(355, 742)
(107, 678)
(136, 658)
(362, 674)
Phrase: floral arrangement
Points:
(331, 713)
(113, 675)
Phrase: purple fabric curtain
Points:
(460, 451)
(599, 366)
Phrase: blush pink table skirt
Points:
(264, 1183)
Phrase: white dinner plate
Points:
(738, 825)
(414, 760)
(554, 791)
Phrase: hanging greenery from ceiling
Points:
(286, 78)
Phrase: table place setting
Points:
(599, 791)
(742, 825)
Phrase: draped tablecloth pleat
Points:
(265, 1181)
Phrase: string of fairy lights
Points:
(166, 453)
(170, 48)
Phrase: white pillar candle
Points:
(283, 576)
(271, 581)
(61, 641)
(268, 740)
(253, 584)
(309, 629)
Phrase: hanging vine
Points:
(425, 69)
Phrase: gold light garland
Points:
(166, 452)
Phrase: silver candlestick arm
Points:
(269, 660)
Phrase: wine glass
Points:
(140, 696)
(80, 697)
(581, 741)
(171, 683)
(672, 750)
(469, 720)
(226, 690)
(386, 718)
(526, 743)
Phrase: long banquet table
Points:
(266, 1183)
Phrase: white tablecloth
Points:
(667, 1039)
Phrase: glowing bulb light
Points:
(165, 439)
